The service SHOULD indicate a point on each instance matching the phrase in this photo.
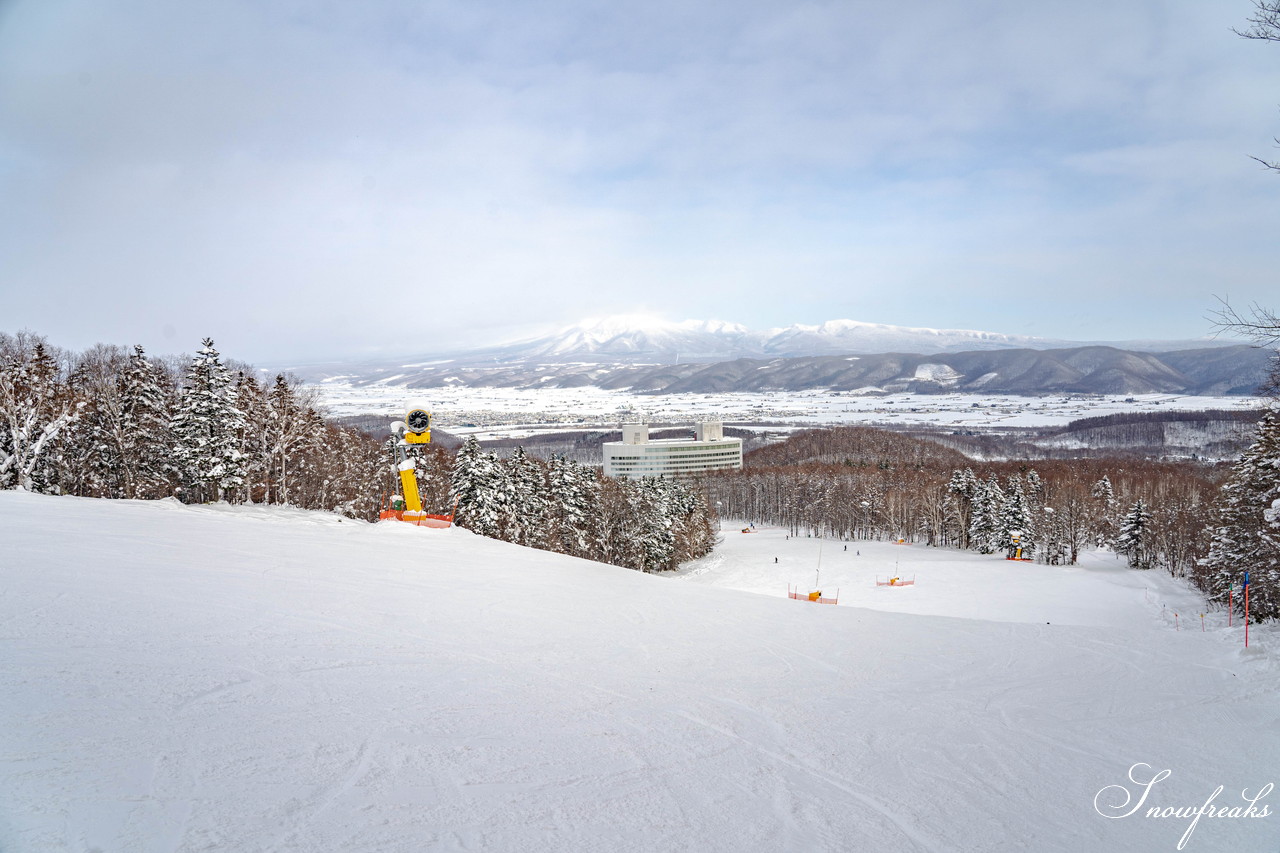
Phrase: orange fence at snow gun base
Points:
(394, 509)
(816, 596)
(421, 519)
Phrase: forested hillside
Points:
(1209, 434)
(857, 483)
(854, 446)
(114, 423)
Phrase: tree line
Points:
(650, 524)
(1203, 522)
(116, 423)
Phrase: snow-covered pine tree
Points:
(985, 534)
(289, 435)
(1052, 537)
(527, 510)
(207, 430)
(314, 471)
(621, 523)
(478, 490)
(1105, 506)
(654, 524)
(695, 533)
(1246, 536)
(1035, 491)
(90, 458)
(657, 537)
(254, 445)
(962, 489)
(145, 422)
(575, 505)
(1133, 541)
(34, 411)
(1016, 519)
(1037, 495)
(502, 495)
(356, 470)
(703, 531)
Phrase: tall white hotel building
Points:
(637, 456)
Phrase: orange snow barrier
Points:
(395, 509)
(896, 582)
(816, 596)
(420, 519)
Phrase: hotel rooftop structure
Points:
(636, 456)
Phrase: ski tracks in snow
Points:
(302, 816)
(800, 763)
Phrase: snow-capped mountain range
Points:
(631, 339)
(661, 356)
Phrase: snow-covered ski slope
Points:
(1101, 591)
(247, 679)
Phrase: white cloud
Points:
(389, 171)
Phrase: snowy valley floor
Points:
(249, 679)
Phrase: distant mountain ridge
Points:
(637, 338)
(634, 339)
(657, 356)
(1081, 370)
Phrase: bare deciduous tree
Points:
(1264, 25)
(1259, 324)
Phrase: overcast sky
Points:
(307, 179)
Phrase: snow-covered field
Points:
(1100, 591)
(248, 679)
(506, 412)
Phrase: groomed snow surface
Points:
(223, 678)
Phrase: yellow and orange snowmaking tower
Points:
(414, 429)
